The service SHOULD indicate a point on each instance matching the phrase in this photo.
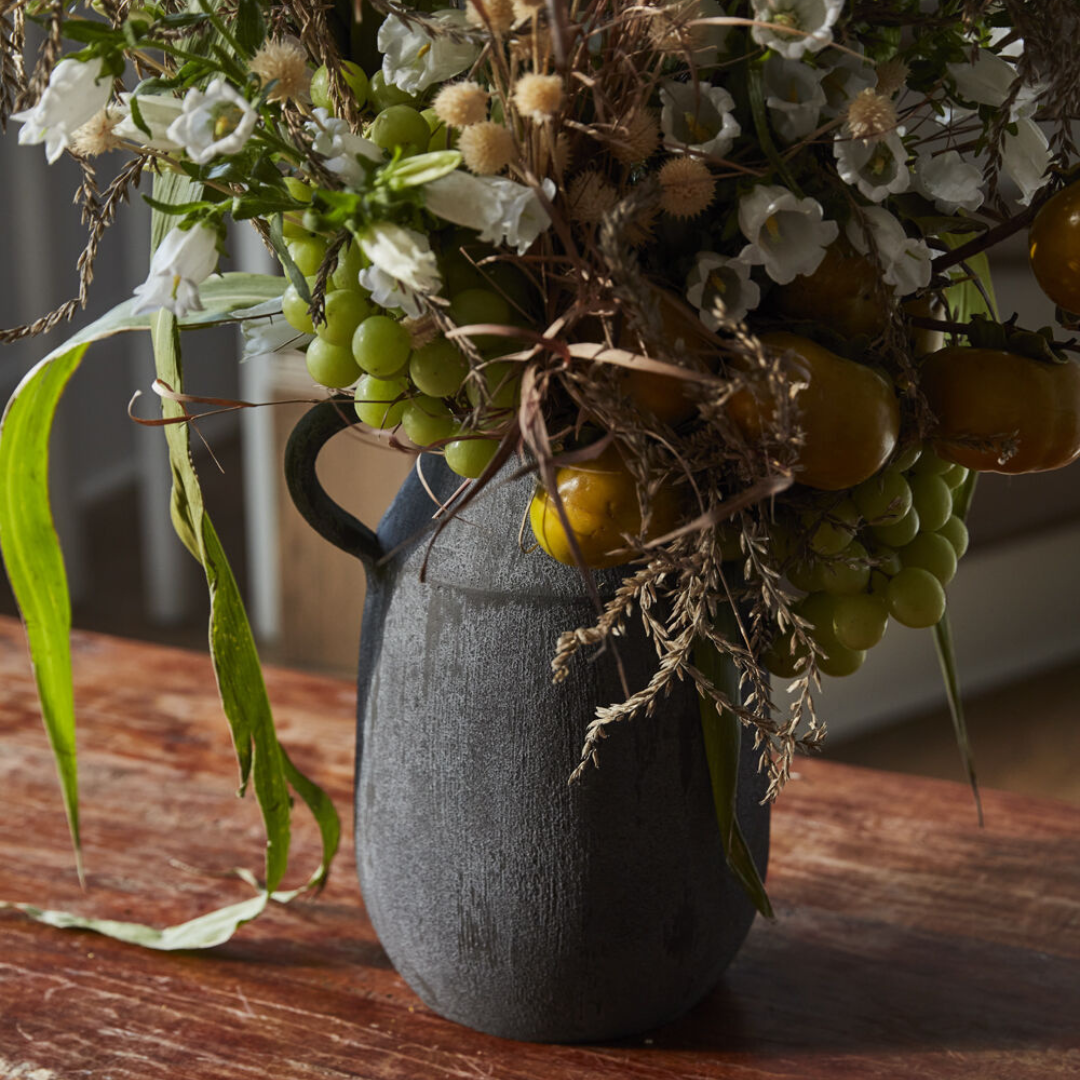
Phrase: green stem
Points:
(756, 91)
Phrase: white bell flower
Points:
(905, 261)
(158, 112)
(699, 118)
(846, 78)
(719, 284)
(76, 92)
(989, 80)
(787, 234)
(948, 181)
(502, 211)
(813, 19)
(332, 139)
(413, 59)
(1025, 159)
(182, 261)
(878, 169)
(404, 266)
(794, 96)
(217, 122)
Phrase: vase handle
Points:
(312, 432)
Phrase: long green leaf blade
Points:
(35, 565)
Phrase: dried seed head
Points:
(891, 76)
(496, 14)
(523, 9)
(539, 97)
(590, 196)
(461, 104)
(670, 31)
(870, 116)
(639, 230)
(687, 187)
(636, 137)
(96, 135)
(422, 331)
(562, 154)
(283, 63)
(486, 147)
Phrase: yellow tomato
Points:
(848, 413)
(601, 503)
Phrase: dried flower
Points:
(283, 63)
(497, 15)
(461, 104)
(687, 187)
(636, 137)
(486, 147)
(871, 116)
(524, 9)
(97, 135)
(590, 196)
(422, 331)
(76, 91)
(538, 97)
(891, 76)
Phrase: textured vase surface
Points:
(509, 900)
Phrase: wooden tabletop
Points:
(909, 943)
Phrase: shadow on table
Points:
(875, 986)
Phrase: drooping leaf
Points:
(722, 731)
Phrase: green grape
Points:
(470, 456)
(883, 499)
(440, 132)
(474, 306)
(847, 572)
(807, 574)
(380, 402)
(835, 529)
(438, 368)
(381, 346)
(860, 621)
(932, 500)
(331, 365)
(955, 476)
(879, 584)
(295, 309)
(381, 94)
(819, 609)
(355, 77)
(503, 382)
(888, 560)
(400, 125)
(903, 532)
(345, 310)
(933, 552)
(347, 274)
(427, 420)
(916, 598)
(291, 229)
(308, 253)
(460, 274)
(785, 658)
(956, 532)
(930, 464)
(906, 459)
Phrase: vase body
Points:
(507, 899)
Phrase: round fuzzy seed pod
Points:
(283, 63)
(496, 14)
(539, 97)
(871, 116)
(461, 104)
(486, 147)
(636, 138)
(686, 187)
(590, 196)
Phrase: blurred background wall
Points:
(1015, 604)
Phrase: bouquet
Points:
(716, 273)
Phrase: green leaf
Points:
(35, 566)
(722, 731)
(250, 27)
(292, 271)
(204, 932)
(420, 169)
(966, 298)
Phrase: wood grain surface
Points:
(909, 943)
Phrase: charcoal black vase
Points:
(509, 900)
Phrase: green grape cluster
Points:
(886, 549)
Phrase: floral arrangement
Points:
(716, 270)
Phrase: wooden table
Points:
(909, 942)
